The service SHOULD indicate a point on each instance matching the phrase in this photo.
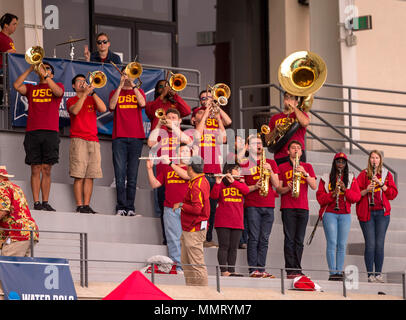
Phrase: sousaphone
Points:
(302, 74)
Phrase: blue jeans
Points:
(126, 153)
(260, 221)
(374, 232)
(294, 228)
(173, 231)
(336, 229)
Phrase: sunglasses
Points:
(204, 98)
(101, 41)
(341, 161)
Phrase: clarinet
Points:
(337, 207)
(372, 202)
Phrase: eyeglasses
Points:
(161, 86)
(101, 41)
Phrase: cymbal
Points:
(71, 41)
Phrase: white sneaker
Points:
(121, 213)
(180, 271)
(379, 278)
(371, 278)
(131, 213)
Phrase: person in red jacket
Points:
(165, 98)
(335, 212)
(229, 220)
(194, 218)
(373, 211)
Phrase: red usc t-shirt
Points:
(299, 135)
(84, 124)
(43, 107)
(167, 145)
(210, 150)
(127, 121)
(285, 175)
(175, 187)
(230, 209)
(6, 43)
(250, 170)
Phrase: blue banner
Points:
(65, 70)
(25, 278)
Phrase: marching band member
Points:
(229, 219)
(258, 209)
(165, 98)
(373, 210)
(128, 133)
(295, 178)
(335, 212)
(41, 142)
(84, 151)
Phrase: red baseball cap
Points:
(197, 109)
(340, 155)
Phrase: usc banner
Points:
(65, 70)
(25, 278)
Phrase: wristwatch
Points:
(306, 175)
(92, 93)
(134, 87)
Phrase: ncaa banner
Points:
(65, 70)
(25, 278)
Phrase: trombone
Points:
(177, 81)
(133, 70)
(97, 79)
(34, 56)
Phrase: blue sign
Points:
(25, 278)
(65, 70)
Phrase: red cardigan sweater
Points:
(327, 201)
(363, 210)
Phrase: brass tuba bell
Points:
(34, 56)
(302, 73)
(177, 81)
(97, 79)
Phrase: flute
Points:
(160, 158)
(222, 175)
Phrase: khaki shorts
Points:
(17, 249)
(84, 159)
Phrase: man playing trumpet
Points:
(128, 133)
(41, 142)
(84, 152)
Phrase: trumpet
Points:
(220, 92)
(161, 115)
(97, 79)
(34, 56)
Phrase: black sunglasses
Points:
(101, 41)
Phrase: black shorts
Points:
(41, 147)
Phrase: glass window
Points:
(155, 47)
(145, 9)
(63, 21)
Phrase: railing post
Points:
(404, 284)
(86, 263)
(282, 282)
(153, 273)
(32, 243)
(344, 285)
(81, 261)
(350, 116)
(218, 278)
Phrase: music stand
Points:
(72, 47)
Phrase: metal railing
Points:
(5, 108)
(336, 129)
(83, 249)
